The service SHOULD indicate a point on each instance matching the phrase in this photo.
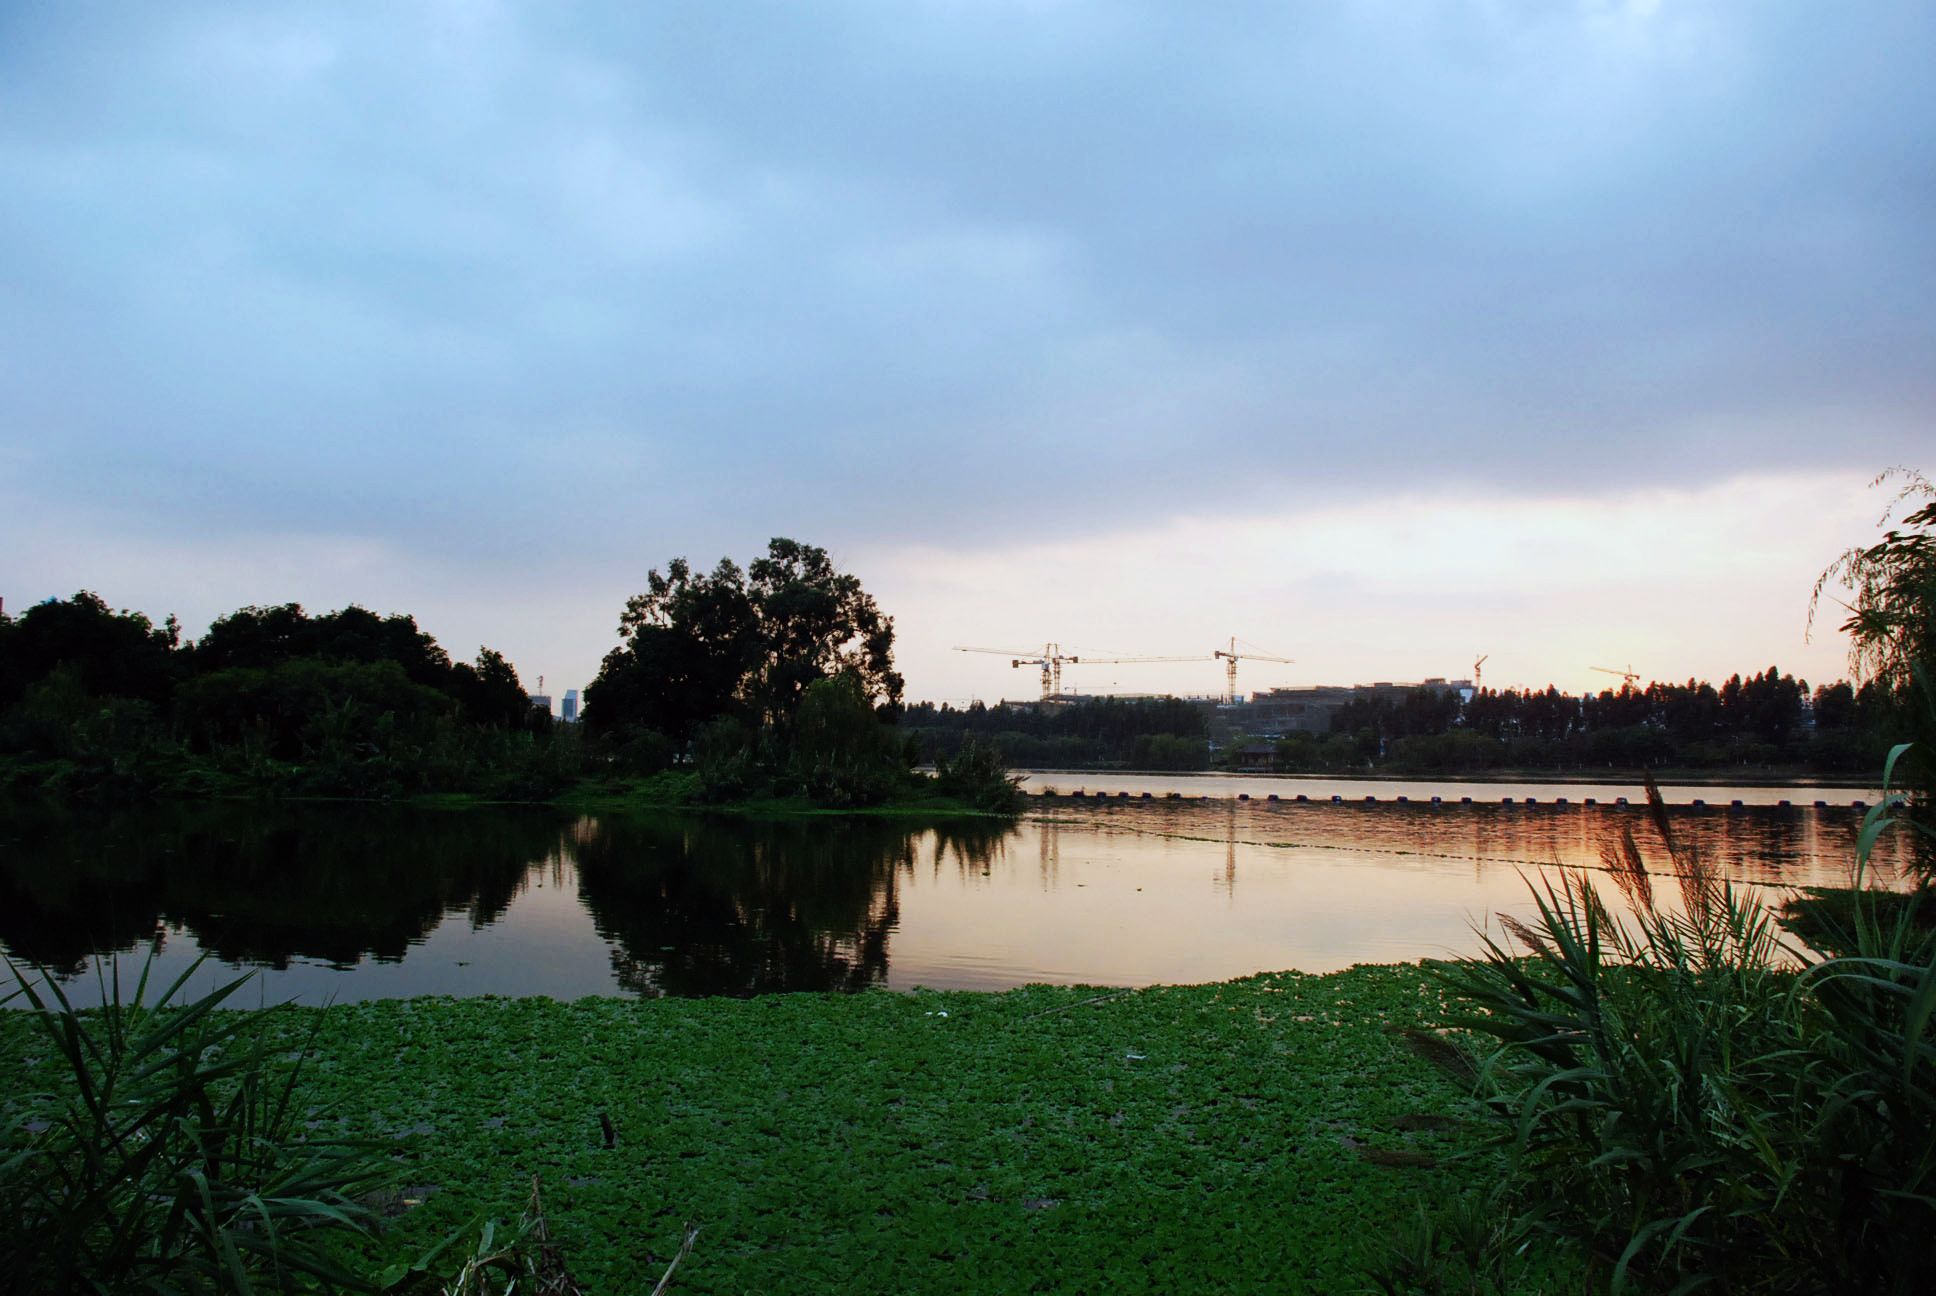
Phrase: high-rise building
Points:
(570, 714)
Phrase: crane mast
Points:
(1230, 659)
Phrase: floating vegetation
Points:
(1174, 1138)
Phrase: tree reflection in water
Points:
(259, 885)
(734, 907)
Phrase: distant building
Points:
(1309, 709)
(570, 713)
(541, 702)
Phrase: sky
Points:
(1379, 335)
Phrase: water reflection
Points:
(721, 907)
(361, 901)
(260, 886)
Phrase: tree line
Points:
(773, 680)
(345, 703)
(1767, 719)
(1131, 733)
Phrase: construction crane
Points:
(1629, 675)
(1230, 659)
(1052, 659)
(1476, 676)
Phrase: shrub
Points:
(725, 760)
(1694, 1103)
(168, 1157)
(976, 776)
(842, 755)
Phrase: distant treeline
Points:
(1133, 733)
(1765, 719)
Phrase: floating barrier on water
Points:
(1559, 800)
(1371, 800)
(1505, 800)
(1302, 797)
(1271, 797)
(1122, 796)
(1532, 800)
(1589, 801)
(1243, 796)
(1406, 800)
(1465, 800)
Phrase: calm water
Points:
(351, 902)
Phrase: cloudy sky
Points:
(1380, 335)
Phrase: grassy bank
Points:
(1268, 1133)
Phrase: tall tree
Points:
(816, 623)
(746, 643)
(688, 644)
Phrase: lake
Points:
(348, 901)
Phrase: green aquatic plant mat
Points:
(1263, 1134)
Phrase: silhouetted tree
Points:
(688, 645)
(747, 644)
(109, 653)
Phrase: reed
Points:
(165, 1152)
(1690, 1100)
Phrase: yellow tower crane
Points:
(1052, 659)
(1230, 659)
(1628, 674)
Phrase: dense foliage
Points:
(777, 680)
(1695, 1104)
(159, 1146)
(269, 699)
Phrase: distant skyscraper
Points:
(570, 714)
(542, 701)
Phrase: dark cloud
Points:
(490, 281)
